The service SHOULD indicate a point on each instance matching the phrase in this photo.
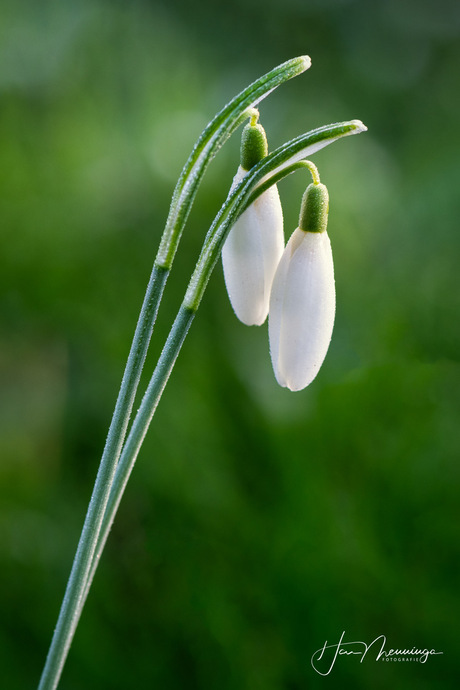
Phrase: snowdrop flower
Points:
(255, 243)
(302, 303)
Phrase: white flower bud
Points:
(255, 243)
(251, 254)
(302, 303)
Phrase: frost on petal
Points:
(303, 304)
(250, 256)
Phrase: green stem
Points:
(68, 617)
(313, 171)
(143, 418)
(139, 429)
(213, 137)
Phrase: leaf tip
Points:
(305, 61)
(358, 126)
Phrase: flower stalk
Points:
(208, 144)
(118, 459)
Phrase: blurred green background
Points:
(258, 522)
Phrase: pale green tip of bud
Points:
(314, 209)
(254, 145)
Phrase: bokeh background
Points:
(258, 522)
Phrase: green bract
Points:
(314, 209)
(254, 145)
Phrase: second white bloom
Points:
(302, 305)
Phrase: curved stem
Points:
(313, 171)
(206, 148)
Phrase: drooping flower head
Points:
(302, 303)
(255, 243)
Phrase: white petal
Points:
(276, 308)
(251, 254)
(240, 173)
(302, 309)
